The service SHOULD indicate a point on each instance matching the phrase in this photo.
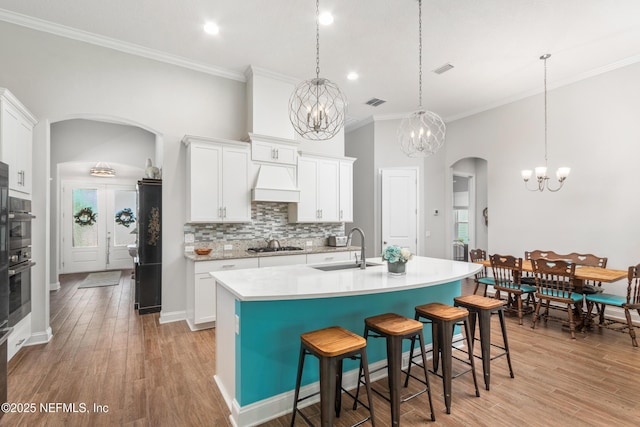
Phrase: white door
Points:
(98, 222)
(400, 208)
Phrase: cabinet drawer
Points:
(328, 257)
(283, 260)
(19, 336)
(225, 264)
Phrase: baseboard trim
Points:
(281, 404)
(172, 316)
(200, 326)
(40, 337)
(54, 287)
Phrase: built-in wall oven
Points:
(20, 262)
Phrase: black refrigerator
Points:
(4, 278)
(148, 268)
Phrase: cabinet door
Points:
(23, 156)
(307, 182)
(346, 191)
(205, 299)
(10, 127)
(204, 180)
(328, 190)
(236, 192)
(271, 152)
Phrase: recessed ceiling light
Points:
(353, 75)
(211, 28)
(326, 18)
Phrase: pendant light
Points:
(422, 133)
(541, 171)
(102, 170)
(317, 106)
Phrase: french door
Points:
(98, 222)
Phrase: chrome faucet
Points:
(363, 261)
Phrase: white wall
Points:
(594, 129)
(58, 78)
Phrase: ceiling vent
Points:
(443, 69)
(374, 102)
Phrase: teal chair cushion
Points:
(523, 288)
(574, 296)
(487, 281)
(608, 299)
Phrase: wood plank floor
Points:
(149, 374)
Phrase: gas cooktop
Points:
(280, 249)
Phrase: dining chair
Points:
(507, 272)
(530, 279)
(555, 282)
(481, 277)
(630, 302)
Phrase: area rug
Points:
(104, 278)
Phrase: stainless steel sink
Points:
(348, 266)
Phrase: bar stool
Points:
(331, 346)
(395, 328)
(443, 319)
(483, 307)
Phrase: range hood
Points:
(275, 184)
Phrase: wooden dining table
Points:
(583, 273)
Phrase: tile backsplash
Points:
(268, 219)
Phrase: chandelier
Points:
(103, 170)
(541, 171)
(422, 133)
(317, 106)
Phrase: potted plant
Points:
(396, 258)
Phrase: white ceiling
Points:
(493, 44)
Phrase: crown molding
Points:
(110, 43)
(252, 70)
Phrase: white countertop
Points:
(304, 281)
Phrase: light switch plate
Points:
(237, 325)
(228, 247)
(189, 238)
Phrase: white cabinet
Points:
(320, 258)
(201, 289)
(272, 261)
(326, 190)
(19, 336)
(273, 150)
(346, 190)
(16, 142)
(218, 188)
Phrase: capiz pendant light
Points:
(317, 106)
(422, 133)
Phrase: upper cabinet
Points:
(16, 142)
(218, 188)
(326, 190)
(273, 150)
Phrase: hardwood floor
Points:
(149, 374)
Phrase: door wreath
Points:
(85, 217)
(125, 217)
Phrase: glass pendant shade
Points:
(421, 134)
(316, 109)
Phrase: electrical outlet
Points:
(427, 233)
(188, 248)
(189, 238)
(228, 247)
(237, 325)
(309, 243)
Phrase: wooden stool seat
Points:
(331, 346)
(393, 324)
(439, 311)
(479, 302)
(482, 308)
(332, 341)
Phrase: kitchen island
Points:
(262, 312)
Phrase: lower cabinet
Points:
(19, 336)
(201, 289)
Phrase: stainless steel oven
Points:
(20, 263)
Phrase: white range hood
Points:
(275, 184)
